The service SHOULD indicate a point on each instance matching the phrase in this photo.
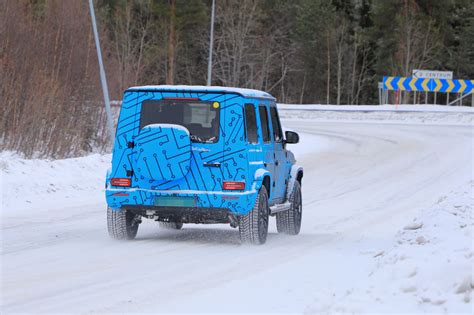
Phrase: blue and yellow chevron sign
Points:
(427, 85)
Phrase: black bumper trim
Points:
(183, 214)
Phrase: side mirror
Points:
(291, 137)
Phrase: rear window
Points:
(200, 118)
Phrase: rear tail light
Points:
(234, 185)
(123, 182)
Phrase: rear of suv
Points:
(194, 154)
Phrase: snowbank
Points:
(28, 184)
(379, 108)
(428, 265)
(411, 114)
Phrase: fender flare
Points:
(258, 178)
(295, 171)
(108, 175)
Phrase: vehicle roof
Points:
(203, 89)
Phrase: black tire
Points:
(122, 224)
(253, 227)
(171, 225)
(289, 222)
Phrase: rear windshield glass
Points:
(200, 118)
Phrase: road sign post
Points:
(103, 80)
(380, 85)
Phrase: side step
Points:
(280, 207)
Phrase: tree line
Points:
(300, 51)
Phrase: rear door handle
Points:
(212, 164)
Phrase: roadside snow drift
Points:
(407, 114)
(32, 184)
(387, 227)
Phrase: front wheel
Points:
(289, 222)
(253, 227)
(122, 224)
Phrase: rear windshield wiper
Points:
(198, 139)
(195, 138)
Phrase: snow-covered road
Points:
(363, 183)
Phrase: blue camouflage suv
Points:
(197, 154)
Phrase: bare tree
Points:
(51, 108)
(340, 49)
(131, 34)
(418, 43)
(236, 23)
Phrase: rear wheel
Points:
(289, 222)
(122, 224)
(171, 225)
(253, 227)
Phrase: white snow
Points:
(35, 184)
(369, 108)
(387, 227)
(203, 88)
(427, 268)
(406, 114)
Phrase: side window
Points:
(277, 133)
(262, 110)
(251, 123)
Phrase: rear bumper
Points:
(236, 203)
(184, 214)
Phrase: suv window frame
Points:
(252, 106)
(269, 134)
